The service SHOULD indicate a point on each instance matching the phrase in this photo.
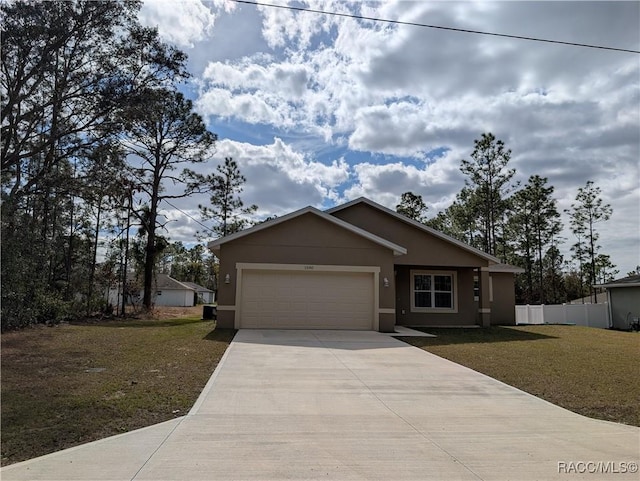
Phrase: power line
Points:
(439, 27)
(189, 216)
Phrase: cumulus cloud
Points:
(281, 179)
(390, 94)
(183, 24)
(437, 182)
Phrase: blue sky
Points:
(318, 110)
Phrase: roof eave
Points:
(418, 225)
(395, 248)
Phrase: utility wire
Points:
(439, 27)
(189, 216)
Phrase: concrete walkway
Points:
(351, 406)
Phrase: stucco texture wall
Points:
(422, 247)
(503, 306)
(466, 314)
(309, 240)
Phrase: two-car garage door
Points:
(274, 299)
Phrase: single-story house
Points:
(170, 292)
(357, 266)
(623, 297)
(601, 298)
(205, 296)
(166, 292)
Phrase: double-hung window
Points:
(433, 291)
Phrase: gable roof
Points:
(397, 249)
(418, 225)
(164, 281)
(601, 298)
(631, 281)
(196, 287)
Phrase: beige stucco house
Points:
(357, 266)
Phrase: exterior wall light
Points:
(385, 282)
(227, 279)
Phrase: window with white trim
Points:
(433, 291)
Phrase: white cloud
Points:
(280, 179)
(437, 181)
(393, 93)
(182, 23)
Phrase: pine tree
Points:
(227, 208)
(522, 235)
(412, 206)
(588, 211)
(163, 133)
(489, 180)
(545, 222)
(68, 68)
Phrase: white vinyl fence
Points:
(589, 315)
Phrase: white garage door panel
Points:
(307, 300)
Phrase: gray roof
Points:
(196, 287)
(164, 281)
(631, 281)
(601, 298)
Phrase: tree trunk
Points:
(126, 256)
(149, 259)
(592, 290)
(150, 251)
(540, 274)
(69, 258)
(92, 271)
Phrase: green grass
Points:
(55, 394)
(594, 372)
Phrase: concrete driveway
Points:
(352, 406)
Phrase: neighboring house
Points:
(601, 298)
(205, 296)
(623, 296)
(166, 292)
(170, 292)
(357, 266)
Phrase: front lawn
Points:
(594, 372)
(71, 384)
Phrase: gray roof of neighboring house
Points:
(164, 281)
(631, 281)
(196, 287)
(601, 298)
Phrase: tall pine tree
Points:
(588, 210)
(412, 206)
(227, 208)
(489, 178)
(162, 135)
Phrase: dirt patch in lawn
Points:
(594, 372)
(75, 383)
(176, 312)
